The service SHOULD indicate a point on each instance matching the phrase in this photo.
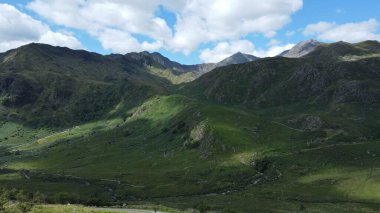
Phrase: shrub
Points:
(202, 207)
(261, 165)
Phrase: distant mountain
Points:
(331, 73)
(301, 49)
(346, 51)
(237, 58)
(173, 71)
(161, 62)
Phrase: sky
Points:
(187, 31)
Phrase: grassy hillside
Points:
(283, 81)
(273, 135)
(52, 86)
(343, 49)
(173, 78)
(179, 152)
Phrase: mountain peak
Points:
(237, 58)
(47, 50)
(32, 46)
(144, 53)
(301, 49)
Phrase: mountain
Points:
(301, 49)
(161, 66)
(54, 85)
(347, 51)
(348, 73)
(176, 73)
(41, 78)
(237, 58)
(339, 50)
(271, 135)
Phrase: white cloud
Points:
(122, 42)
(349, 32)
(17, 28)
(273, 50)
(274, 42)
(104, 19)
(198, 21)
(225, 49)
(218, 20)
(60, 39)
(16, 25)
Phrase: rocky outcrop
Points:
(301, 49)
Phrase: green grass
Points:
(173, 78)
(68, 209)
(84, 209)
(144, 155)
(13, 134)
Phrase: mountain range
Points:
(298, 132)
(175, 72)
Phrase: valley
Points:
(297, 134)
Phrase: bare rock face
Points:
(306, 123)
(202, 138)
(312, 123)
(301, 49)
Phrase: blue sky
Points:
(188, 31)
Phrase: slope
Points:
(301, 49)
(41, 84)
(281, 81)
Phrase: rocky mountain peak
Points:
(301, 49)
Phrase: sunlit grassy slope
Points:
(174, 79)
(174, 146)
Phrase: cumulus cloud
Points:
(225, 49)
(17, 28)
(273, 50)
(112, 22)
(218, 20)
(197, 22)
(121, 42)
(349, 32)
(60, 39)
